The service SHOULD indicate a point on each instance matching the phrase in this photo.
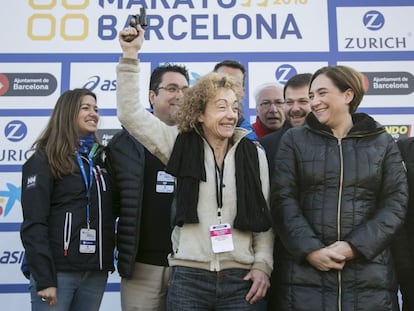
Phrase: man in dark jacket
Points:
(143, 197)
(296, 108)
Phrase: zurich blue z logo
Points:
(284, 72)
(373, 20)
(15, 131)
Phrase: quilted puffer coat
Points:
(327, 189)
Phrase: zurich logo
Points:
(92, 83)
(284, 72)
(373, 20)
(15, 130)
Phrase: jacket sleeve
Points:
(376, 234)
(37, 186)
(263, 241)
(289, 222)
(150, 131)
(125, 162)
(113, 171)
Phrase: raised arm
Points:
(155, 135)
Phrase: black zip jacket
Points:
(270, 143)
(143, 230)
(51, 207)
(354, 190)
(126, 160)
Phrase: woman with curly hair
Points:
(222, 237)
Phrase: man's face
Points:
(269, 108)
(297, 105)
(170, 90)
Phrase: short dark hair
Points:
(232, 64)
(344, 78)
(157, 74)
(297, 81)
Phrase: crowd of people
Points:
(308, 208)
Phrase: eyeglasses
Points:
(173, 88)
(268, 104)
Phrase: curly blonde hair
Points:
(195, 99)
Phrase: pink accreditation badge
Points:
(221, 238)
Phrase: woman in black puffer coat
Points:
(340, 194)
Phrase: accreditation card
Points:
(221, 238)
(87, 241)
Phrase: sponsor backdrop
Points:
(49, 46)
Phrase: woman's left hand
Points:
(48, 295)
(344, 248)
(259, 287)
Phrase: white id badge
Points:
(87, 241)
(165, 183)
(221, 238)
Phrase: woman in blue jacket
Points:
(68, 228)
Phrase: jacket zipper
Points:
(98, 192)
(338, 217)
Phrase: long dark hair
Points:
(60, 138)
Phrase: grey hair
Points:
(264, 86)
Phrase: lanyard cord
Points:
(88, 184)
(219, 190)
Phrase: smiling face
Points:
(164, 100)
(329, 105)
(297, 105)
(88, 115)
(219, 119)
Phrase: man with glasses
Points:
(295, 110)
(269, 109)
(143, 197)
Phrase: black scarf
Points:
(187, 165)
